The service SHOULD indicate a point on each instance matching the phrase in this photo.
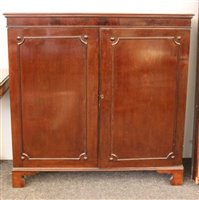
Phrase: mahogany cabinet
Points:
(98, 92)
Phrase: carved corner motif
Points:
(84, 39)
(83, 156)
(114, 40)
(171, 155)
(113, 157)
(25, 156)
(177, 40)
(20, 40)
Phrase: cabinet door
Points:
(54, 96)
(143, 92)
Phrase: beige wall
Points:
(103, 6)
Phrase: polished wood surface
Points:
(144, 88)
(176, 176)
(57, 96)
(77, 19)
(98, 92)
(18, 178)
(4, 86)
(18, 174)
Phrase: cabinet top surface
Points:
(92, 19)
(98, 15)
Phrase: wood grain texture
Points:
(98, 92)
(78, 19)
(57, 95)
(144, 88)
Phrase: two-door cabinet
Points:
(98, 92)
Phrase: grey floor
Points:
(97, 185)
